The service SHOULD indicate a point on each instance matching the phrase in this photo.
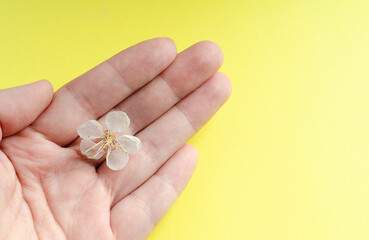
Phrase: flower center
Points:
(110, 140)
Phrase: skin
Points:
(48, 190)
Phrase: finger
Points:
(136, 215)
(97, 91)
(20, 106)
(167, 134)
(189, 70)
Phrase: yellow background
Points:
(288, 155)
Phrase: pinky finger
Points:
(135, 216)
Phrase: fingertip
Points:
(167, 45)
(47, 84)
(42, 92)
(46, 88)
(161, 46)
(193, 155)
(222, 85)
(210, 55)
(167, 42)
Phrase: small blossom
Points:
(96, 142)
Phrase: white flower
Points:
(116, 147)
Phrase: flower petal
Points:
(90, 130)
(117, 121)
(117, 159)
(130, 143)
(91, 149)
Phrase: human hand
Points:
(48, 190)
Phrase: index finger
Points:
(97, 91)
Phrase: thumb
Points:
(20, 106)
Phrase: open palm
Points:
(48, 190)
